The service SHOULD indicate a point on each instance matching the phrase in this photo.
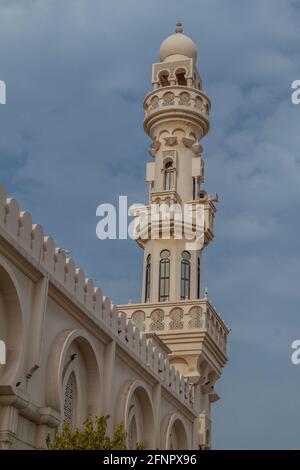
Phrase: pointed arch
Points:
(11, 321)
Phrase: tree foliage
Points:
(93, 436)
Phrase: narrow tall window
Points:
(169, 176)
(164, 276)
(185, 275)
(198, 278)
(70, 400)
(148, 279)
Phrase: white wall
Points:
(55, 323)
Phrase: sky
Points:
(71, 138)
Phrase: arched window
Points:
(164, 276)
(164, 78)
(70, 401)
(148, 279)
(169, 176)
(198, 278)
(185, 275)
(178, 437)
(180, 77)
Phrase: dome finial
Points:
(178, 45)
(179, 27)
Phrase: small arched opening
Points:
(181, 77)
(164, 78)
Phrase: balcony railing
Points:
(179, 99)
(182, 316)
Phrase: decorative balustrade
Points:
(177, 97)
(198, 315)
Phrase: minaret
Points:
(172, 306)
(176, 118)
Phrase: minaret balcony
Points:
(190, 326)
(150, 222)
(177, 102)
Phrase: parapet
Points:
(29, 240)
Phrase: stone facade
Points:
(71, 355)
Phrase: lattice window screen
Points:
(70, 401)
(176, 315)
(157, 317)
(196, 320)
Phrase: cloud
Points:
(72, 138)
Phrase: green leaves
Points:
(92, 437)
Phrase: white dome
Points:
(178, 44)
